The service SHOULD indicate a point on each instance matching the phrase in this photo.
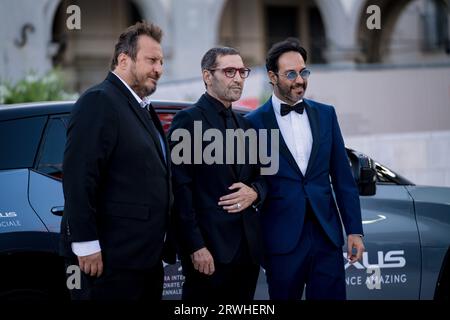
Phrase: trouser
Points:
(316, 263)
(231, 282)
(121, 284)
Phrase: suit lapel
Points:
(313, 117)
(145, 117)
(209, 112)
(158, 126)
(139, 112)
(270, 122)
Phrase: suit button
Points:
(305, 182)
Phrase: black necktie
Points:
(150, 115)
(229, 121)
(285, 108)
(231, 124)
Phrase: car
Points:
(406, 226)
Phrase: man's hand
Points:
(239, 200)
(354, 241)
(203, 261)
(92, 264)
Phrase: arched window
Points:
(84, 55)
(254, 26)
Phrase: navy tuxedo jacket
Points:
(283, 212)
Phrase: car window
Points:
(19, 141)
(166, 119)
(52, 148)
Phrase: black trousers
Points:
(231, 282)
(121, 284)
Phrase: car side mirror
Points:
(363, 169)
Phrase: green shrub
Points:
(49, 87)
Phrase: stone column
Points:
(341, 23)
(195, 26)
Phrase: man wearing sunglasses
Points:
(215, 207)
(301, 222)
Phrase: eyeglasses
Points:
(292, 75)
(231, 72)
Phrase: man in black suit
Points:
(215, 207)
(117, 183)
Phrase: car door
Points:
(390, 267)
(19, 141)
(45, 187)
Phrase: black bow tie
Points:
(285, 108)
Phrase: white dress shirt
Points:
(86, 248)
(296, 132)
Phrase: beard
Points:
(288, 92)
(146, 91)
(139, 86)
(234, 93)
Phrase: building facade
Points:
(389, 82)
(35, 34)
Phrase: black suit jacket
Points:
(117, 185)
(200, 221)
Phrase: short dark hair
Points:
(209, 60)
(128, 40)
(290, 44)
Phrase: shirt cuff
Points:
(85, 248)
